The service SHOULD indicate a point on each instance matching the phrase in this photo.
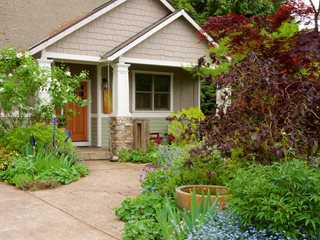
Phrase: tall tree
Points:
(200, 10)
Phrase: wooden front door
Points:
(78, 124)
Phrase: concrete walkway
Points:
(81, 210)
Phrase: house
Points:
(134, 51)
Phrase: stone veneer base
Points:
(121, 133)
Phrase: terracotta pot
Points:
(183, 195)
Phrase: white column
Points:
(46, 65)
(120, 90)
(99, 105)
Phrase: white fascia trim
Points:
(151, 114)
(144, 37)
(72, 57)
(196, 25)
(34, 49)
(168, 5)
(155, 62)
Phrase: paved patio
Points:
(81, 210)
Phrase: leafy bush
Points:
(184, 124)
(283, 197)
(22, 82)
(272, 113)
(184, 167)
(45, 169)
(6, 157)
(19, 137)
(139, 156)
(139, 214)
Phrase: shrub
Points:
(45, 169)
(139, 214)
(6, 157)
(283, 197)
(184, 124)
(137, 156)
(19, 137)
(271, 86)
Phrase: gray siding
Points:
(111, 29)
(157, 125)
(94, 131)
(176, 42)
(105, 131)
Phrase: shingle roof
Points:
(25, 22)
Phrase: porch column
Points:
(99, 106)
(120, 105)
(121, 117)
(44, 95)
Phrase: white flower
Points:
(68, 74)
(10, 75)
(19, 55)
(1, 89)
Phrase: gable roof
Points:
(24, 23)
(149, 31)
(97, 12)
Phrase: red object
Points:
(171, 138)
(155, 137)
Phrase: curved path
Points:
(81, 210)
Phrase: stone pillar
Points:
(121, 117)
(44, 95)
(121, 133)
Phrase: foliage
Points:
(201, 10)
(138, 156)
(227, 226)
(191, 165)
(5, 157)
(284, 198)
(169, 219)
(23, 84)
(183, 125)
(175, 224)
(139, 214)
(272, 83)
(44, 169)
(19, 137)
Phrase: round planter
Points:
(183, 195)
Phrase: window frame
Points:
(165, 112)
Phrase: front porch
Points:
(115, 103)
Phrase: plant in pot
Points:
(200, 173)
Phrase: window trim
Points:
(153, 112)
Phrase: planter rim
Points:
(179, 189)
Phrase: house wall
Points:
(111, 29)
(185, 88)
(176, 42)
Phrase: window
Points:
(152, 92)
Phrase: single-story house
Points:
(134, 51)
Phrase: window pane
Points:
(162, 83)
(161, 101)
(143, 82)
(143, 101)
